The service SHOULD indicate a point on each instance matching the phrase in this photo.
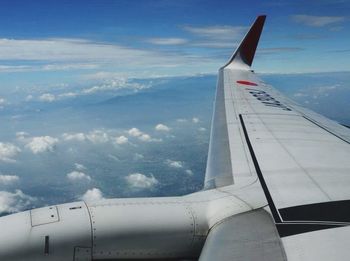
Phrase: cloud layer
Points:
(317, 21)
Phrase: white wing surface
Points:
(300, 159)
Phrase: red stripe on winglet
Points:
(247, 83)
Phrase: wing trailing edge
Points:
(244, 54)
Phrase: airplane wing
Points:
(299, 159)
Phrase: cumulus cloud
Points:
(121, 140)
(2, 101)
(189, 172)
(317, 21)
(174, 164)
(78, 176)
(162, 127)
(8, 179)
(195, 120)
(14, 202)
(135, 132)
(8, 151)
(140, 181)
(167, 41)
(47, 97)
(92, 195)
(146, 138)
(42, 144)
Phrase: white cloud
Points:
(189, 172)
(135, 132)
(174, 164)
(77, 176)
(138, 156)
(22, 135)
(181, 120)
(162, 127)
(145, 137)
(42, 144)
(202, 129)
(140, 181)
(65, 67)
(115, 84)
(113, 157)
(46, 67)
(317, 21)
(220, 36)
(68, 95)
(14, 202)
(219, 32)
(79, 166)
(69, 50)
(47, 97)
(74, 136)
(195, 120)
(97, 136)
(121, 140)
(77, 54)
(92, 195)
(167, 41)
(2, 101)
(8, 151)
(300, 94)
(8, 179)
(276, 50)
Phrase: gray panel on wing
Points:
(249, 236)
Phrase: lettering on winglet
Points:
(267, 99)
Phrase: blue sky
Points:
(50, 43)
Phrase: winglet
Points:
(245, 52)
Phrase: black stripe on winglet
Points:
(333, 211)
